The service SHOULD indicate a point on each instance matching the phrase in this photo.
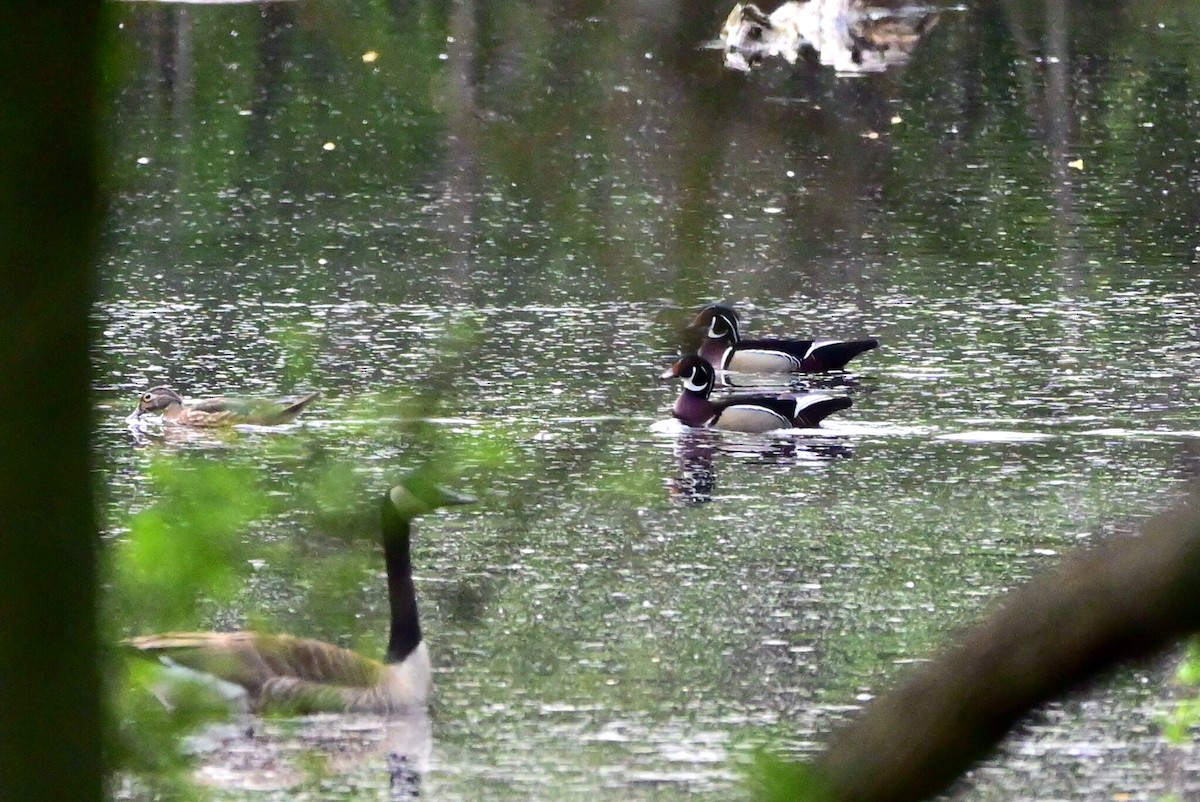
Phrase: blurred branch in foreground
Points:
(1125, 600)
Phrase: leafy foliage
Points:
(773, 779)
(187, 546)
(1186, 715)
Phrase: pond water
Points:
(496, 217)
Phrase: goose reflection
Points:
(852, 36)
(392, 752)
(697, 452)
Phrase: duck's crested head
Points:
(696, 373)
(156, 399)
(721, 322)
(418, 494)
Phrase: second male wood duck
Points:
(745, 413)
(220, 411)
(724, 348)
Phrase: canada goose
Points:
(220, 411)
(301, 675)
(725, 349)
(745, 413)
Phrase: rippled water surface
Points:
(498, 223)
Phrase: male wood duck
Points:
(745, 413)
(220, 411)
(724, 348)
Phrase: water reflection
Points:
(148, 432)
(385, 757)
(697, 451)
(849, 35)
(695, 478)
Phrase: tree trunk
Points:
(50, 708)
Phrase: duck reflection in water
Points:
(696, 452)
(852, 36)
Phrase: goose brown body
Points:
(299, 675)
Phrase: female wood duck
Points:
(725, 350)
(745, 413)
(220, 411)
(266, 672)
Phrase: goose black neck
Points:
(402, 594)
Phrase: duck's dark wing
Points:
(764, 412)
(814, 356)
(796, 348)
(834, 354)
(293, 407)
(220, 404)
(812, 408)
(253, 410)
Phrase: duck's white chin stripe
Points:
(691, 385)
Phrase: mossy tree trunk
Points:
(50, 706)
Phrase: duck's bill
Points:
(671, 372)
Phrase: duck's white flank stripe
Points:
(817, 345)
(805, 401)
